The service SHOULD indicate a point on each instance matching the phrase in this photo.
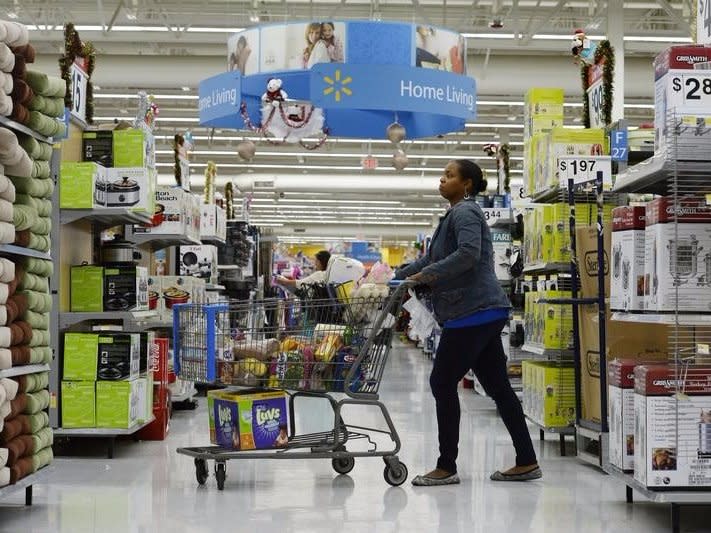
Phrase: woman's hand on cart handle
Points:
(394, 283)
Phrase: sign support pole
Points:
(615, 34)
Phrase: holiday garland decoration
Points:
(74, 48)
(605, 55)
(210, 175)
(264, 128)
(503, 161)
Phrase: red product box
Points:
(158, 360)
(683, 57)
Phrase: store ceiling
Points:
(166, 47)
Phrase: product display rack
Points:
(213, 240)
(127, 318)
(546, 267)
(678, 179)
(11, 249)
(107, 434)
(158, 241)
(16, 126)
(23, 370)
(105, 217)
(26, 483)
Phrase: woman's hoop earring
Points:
(466, 195)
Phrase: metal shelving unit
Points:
(11, 249)
(546, 352)
(110, 216)
(26, 483)
(653, 175)
(109, 434)
(546, 267)
(11, 124)
(67, 320)
(23, 370)
(562, 432)
(213, 240)
(669, 319)
(158, 241)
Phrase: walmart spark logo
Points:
(337, 86)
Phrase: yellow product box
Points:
(526, 385)
(541, 124)
(557, 321)
(556, 390)
(542, 167)
(546, 233)
(544, 101)
(561, 234)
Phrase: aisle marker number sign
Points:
(595, 96)
(584, 169)
(79, 80)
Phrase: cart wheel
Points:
(201, 472)
(220, 475)
(343, 465)
(395, 476)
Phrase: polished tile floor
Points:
(147, 487)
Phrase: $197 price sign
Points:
(584, 169)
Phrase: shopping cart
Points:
(334, 348)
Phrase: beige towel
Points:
(10, 386)
(16, 33)
(5, 361)
(7, 58)
(7, 189)
(6, 82)
(6, 211)
(5, 105)
(7, 270)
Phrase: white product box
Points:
(174, 290)
(680, 75)
(672, 432)
(620, 399)
(154, 295)
(213, 222)
(141, 289)
(502, 250)
(627, 282)
(132, 188)
(199, 261)
(199, 291)
(678, 255)
(196, 212)
(169, 217)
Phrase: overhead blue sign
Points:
(619, 144)
(393, 88)
(220, 99)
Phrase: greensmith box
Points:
(117, 404)
(133, 148)
(78, 404)
(76, 184)
(80, 356)
(87, 289)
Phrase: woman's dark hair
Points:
(242, 40)
(469, 170)
(323, 257)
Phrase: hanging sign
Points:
(595, 96)
(584, 169)
(219, 100)
(79, 80)
(619, 144)
(703, 22)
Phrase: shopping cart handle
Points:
(394, 283)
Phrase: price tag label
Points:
(79, 81)
(595, 95)
(491, 215)
(703, 22)
(691, 91)
(584, 169)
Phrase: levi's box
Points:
(679, 74)
(248, 420)
(672, 426)
(627, 283)
(620, 400)
(87, 289)
(678, 255)
(77, 185)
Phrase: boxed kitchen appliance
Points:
(87, 289)
(119, 356)
(170, 217)
(78, 404)
(174, 290)
(627, 283)
(672, 442)
(680, 107)
(98, 147)
(117, 404)
(77, 182)
(678, 255)
(213, 222)
(132, 188)
(125, 288)
(133, 148)
(620, 399)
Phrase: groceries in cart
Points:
(248, 420)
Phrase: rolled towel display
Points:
(41, 355)
(41, 243)
(19, 447)
(19, 425)
(7, 233)
(41, 169)
(47, 126)
(7, 189)
(36, 188)
(34, 148)
(6, 211)
(5, 476)
(21, 332)
(40, 267)
(5, 292)
(44, 207)
(24, 217)
(3, 315)
(21, 469)
(20, 113)
(7, 58)
(16, 33)
(21, 169)
(37, 301)
(3, 456)
(11, 387)
(39, 338)
(18, 406)
(21, 355)
(32, 382)
(52, 107)
(10, 150)
(6, 105)
(7, 270)
(27, 51)
(19, 71)
(7, 82)
(5, 410)
(43, 438)
(23, 238)
(22, 93)
(50, 86)
(5, 359)
(36, 402)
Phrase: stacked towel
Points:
(12, 156)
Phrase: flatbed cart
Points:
(311, 348)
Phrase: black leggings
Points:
(478, 348)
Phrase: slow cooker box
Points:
(627, 281)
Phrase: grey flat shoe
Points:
(428, 481)
(536, 473)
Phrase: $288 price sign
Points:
(691, 90)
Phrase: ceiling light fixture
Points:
(12, 15)
(140, 29)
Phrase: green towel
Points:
(43, 438)
(25, 199)
(46, 85)
(42, 459)
(38, 302)
(36, 382)
(35, 149)
(41, 355)
(52, 107)
(24, 217)
(36, 320)
(44, 125)
(43, 226)
(39, 338)
(35, 187)
(40, 267)
(44, 207)
(36, 402)
(40, 169)
(33, 282)
(41, 243)
(38, 421)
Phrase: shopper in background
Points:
(318, 276)
(473, 310)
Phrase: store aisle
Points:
(148, 487)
